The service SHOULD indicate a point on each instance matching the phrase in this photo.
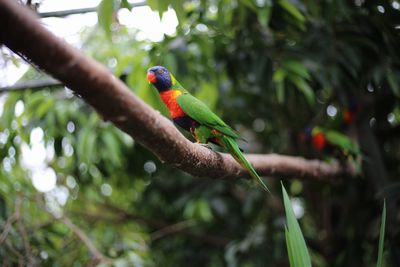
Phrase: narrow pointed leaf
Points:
(297, 245)
(379, 262)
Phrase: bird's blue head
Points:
(160, 77)
(353, 105)
(308, 133)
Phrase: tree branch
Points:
(98, 257)
(161, 228)
(159, 225)
(171, 229)
(11, 220)
(64, 13)
(34, 84)
(22, 32)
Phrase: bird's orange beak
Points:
(151, 77)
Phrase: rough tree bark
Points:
(22, 32)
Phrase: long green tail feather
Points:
(232, 146)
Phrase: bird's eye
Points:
(160, 71)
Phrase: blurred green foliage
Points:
(297, 249)
(270, 69)
(379, 262)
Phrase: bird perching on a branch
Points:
(194, 116)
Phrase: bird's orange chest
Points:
(169, 99)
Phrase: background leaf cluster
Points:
(270, 69)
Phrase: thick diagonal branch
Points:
(22, 32)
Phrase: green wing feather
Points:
(342, 141)
(232, 146)
(199, 111)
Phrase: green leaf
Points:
(198, 209)
(32, 103)
(61, 111)
(50, 119)
(15, 61)
(280, 92)
(394, 83)
(304, 88)
(204, 210)
(379, 262)
(86, 145)
(112, 147)
(179, 10)
(44, 107)
(9, 110)
(289, 246)
(297, 248)
(249, 4)
(264, 14)
(296, 68)
(279, 75)
(190, 210)
(125, 4)
(3, 209)
(292, 10)
(105, 14)
(158, 5)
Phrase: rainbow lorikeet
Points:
(330, 140)
(194, 116)
(351, 111)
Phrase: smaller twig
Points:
(172, 229)
(16, 218)
(7, 228)
(130, 216)
(27, 246)
(98, 257)
(121, 216)
(64, 13)
(12, 219)
(16, 253)
(158, 224)
(34, 84)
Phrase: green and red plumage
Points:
(194, 116)
(325, 140)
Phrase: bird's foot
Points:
(205, 145)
